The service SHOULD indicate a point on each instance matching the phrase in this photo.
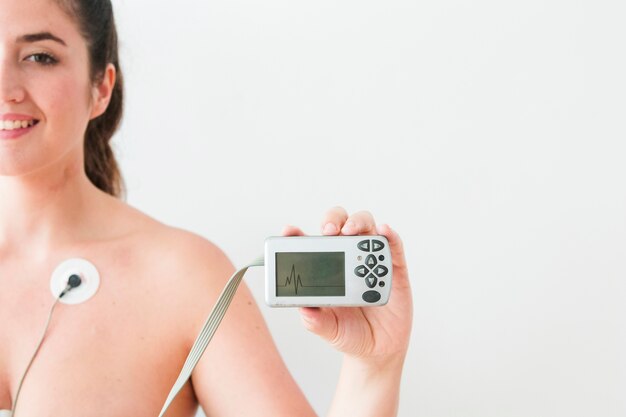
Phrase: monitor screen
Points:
(310, 274)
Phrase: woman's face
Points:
(45, 88)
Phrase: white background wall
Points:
(489, 133)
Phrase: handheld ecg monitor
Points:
(327, 271)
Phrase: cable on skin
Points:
(73, 282)
(208, 329)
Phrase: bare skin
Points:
(119, 353)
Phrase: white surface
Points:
(490, 134)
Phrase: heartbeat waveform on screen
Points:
(295, 280)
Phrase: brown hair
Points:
(96, 23)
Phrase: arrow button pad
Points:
(373, 268)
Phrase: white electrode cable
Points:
(74, 281)
(208, 329)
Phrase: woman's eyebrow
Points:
(41, 36)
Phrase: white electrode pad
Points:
(90, 280)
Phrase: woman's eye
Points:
(42, 58)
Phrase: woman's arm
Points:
(241, 372)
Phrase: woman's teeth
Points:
(16, 124)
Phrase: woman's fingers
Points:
(338, 221)
(321, 321)
(347, 329)
(334, 220)
(292, 231)
(360, 223)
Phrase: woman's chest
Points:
(116, 354)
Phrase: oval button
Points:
(371, 296)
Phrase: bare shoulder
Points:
(182, 250)
(181, 270)
(168, 246)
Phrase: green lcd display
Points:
(310, 274)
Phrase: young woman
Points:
(119, 353)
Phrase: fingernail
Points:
(330, 229)
(349, 228)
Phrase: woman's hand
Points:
(368, 333)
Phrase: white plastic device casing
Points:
(357, 290)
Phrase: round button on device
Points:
(371, 296)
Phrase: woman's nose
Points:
(11, 89)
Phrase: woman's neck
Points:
(45, 209)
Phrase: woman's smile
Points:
(12, 126)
